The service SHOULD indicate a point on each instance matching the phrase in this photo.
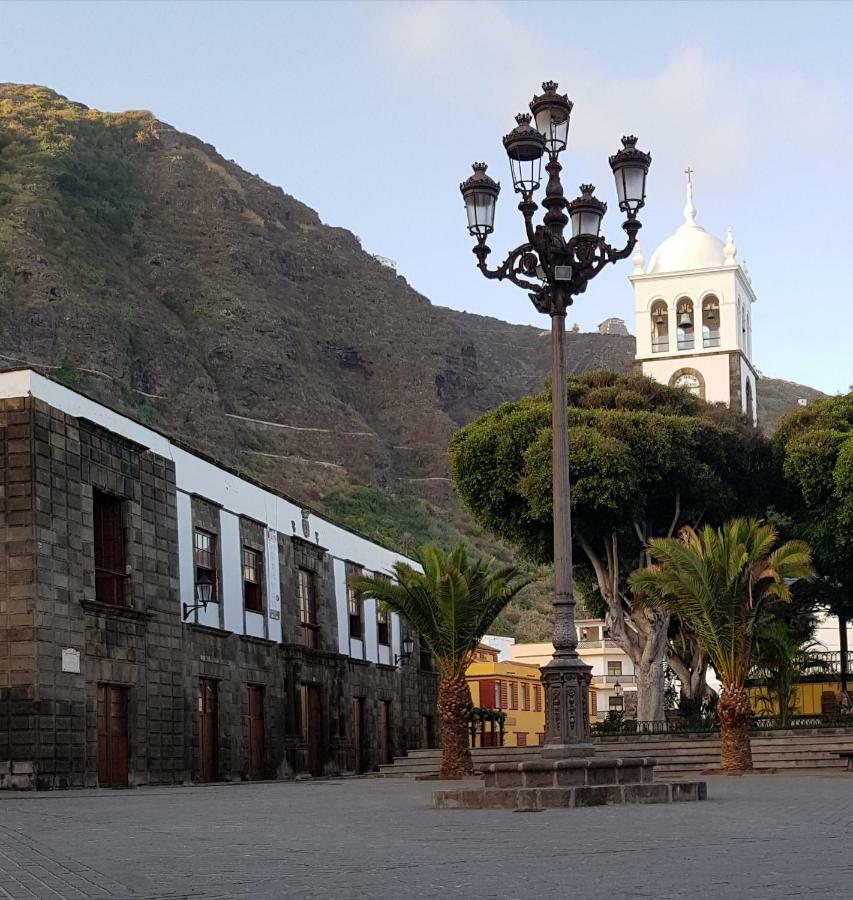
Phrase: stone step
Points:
(793, 749)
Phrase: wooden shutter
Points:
(513, 695)
(109, 548)
(487, 694)
(537, 697)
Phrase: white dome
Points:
(691, 247)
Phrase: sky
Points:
(371, 113)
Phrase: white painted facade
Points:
(236, 497)
(695, 277)
(610, 664)
(500, 643)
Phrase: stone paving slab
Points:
(760, 837)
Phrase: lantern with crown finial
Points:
(480, 194)
(524, 146)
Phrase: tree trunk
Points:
(734, 712)
(842, 642)
(454, 707)
(650, 688)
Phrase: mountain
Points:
(142, 268)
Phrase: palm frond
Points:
(715, 581)
(451, 603)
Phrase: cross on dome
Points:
(689, 207)
(691, 247)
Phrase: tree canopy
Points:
(814, 447)
(643, 457)
(645, 460)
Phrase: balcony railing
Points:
(612, 679)
(815, 668)
(711, 341)
(597, 644)
(660, 346)
(686, 343)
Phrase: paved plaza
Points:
(756, 837)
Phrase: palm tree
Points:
(715, 581)
(780, 657)
(450, 604)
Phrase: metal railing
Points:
(685, 343)
(758, 723)
(660, 346)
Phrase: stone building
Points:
(693, 308)
(106, 678)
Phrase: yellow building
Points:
(810, 699)
(514, 688)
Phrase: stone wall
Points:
(18, 673)
(51, 466)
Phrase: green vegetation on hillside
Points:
(68, 167)
(402, 523)
(405, 523)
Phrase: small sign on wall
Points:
(271, 556)
(71, 661)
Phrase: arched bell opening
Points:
(711, 322)
(685, 321)
(660, 327)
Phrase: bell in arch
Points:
(660, 320)
(684, 320)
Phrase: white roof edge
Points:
(197, 475)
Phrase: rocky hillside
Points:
(143, 268)
(139, 266)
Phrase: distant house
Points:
(613, 326)
(613, 686)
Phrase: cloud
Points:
(723, 119)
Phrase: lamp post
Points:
(203, 589)
(406, 651)
(553, 269)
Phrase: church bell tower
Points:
(693, 309)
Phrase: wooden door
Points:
(384, 733)
(256, 732)
(426, 732)
(112, 736)
(208, 744)
(312, 727)
(357, 734)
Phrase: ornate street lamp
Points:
(554, 269)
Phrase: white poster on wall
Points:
(273, 585)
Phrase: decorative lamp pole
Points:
(553, 270)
